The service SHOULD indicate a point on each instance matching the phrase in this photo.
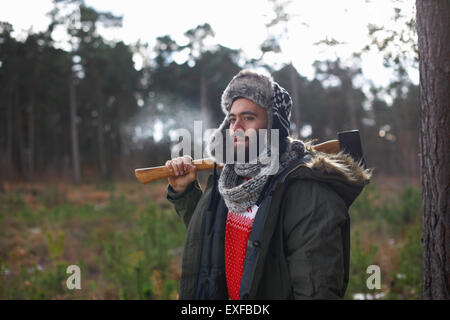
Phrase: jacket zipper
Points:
(300, 165)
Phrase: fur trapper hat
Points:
(265, 92)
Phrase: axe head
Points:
(350, 143)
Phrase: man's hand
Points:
(184, 171)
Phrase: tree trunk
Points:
(100, 129)
(74, 130)
(347, 85)
(123, 139)
(9, 148)
(19, 133)
(433, 27)
(31, 127)
(330, 129)
(124, 167)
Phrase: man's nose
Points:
(236, 126)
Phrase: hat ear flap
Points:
(216, 147)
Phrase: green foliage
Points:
(397, 212)
(55, 244)
(128, 251)
(119, 205)
(13, 204)
(387, 218)
(407, 280)
(65, 211)
(45, 285)
(363, 208)
(143, 270)
(406, 209)
(33, 283)
(3, 272)
(135, 249)
(51, 196)
(360, 259)
(105, 185)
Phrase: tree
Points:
(289, 78)
(335, 71)
(73, 125)
(397, 42)
(31, 109)
(195, 84)
(433, 28)
(81, 23)
(197, 49)
(60, 19)
(273, 44)
(345, 76)
(121, 86)
(8, 77)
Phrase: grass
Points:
(128, 242)
(386, 231)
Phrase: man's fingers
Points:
(192, 168)
(169, 164)
(180, 165)
(173, 166)
(187, 159)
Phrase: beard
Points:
(241, 150)
(224, 150)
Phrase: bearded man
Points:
(274, 228)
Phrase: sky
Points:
(240, 24)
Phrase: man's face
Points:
(244, 115)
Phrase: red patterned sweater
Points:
(237, 233)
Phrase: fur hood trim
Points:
(340, 164)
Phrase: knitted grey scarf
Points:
(238, 197)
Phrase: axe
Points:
(348, 142)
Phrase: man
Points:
(252, 234)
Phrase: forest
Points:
(76, 121)
(47, 93)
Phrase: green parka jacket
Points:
(299, 247)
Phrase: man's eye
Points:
(248, 118)
(232, 120)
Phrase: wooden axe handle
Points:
(329, 147)
(146, 175)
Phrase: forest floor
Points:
(128, 240)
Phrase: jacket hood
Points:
(346, 176)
